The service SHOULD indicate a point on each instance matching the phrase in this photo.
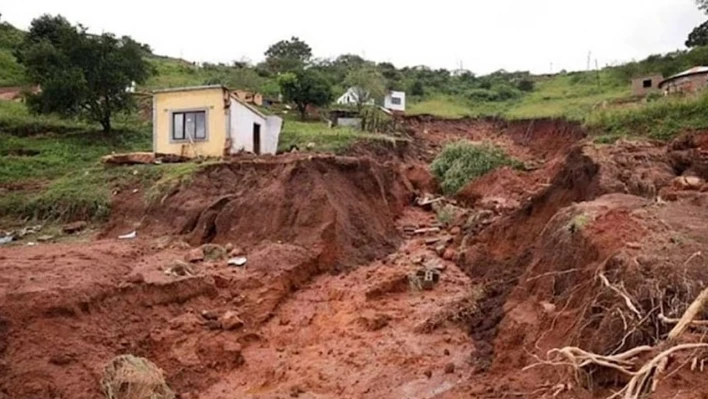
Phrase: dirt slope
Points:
(328, 305)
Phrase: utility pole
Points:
(589, 59)
(597, 69)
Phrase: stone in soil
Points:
(230, 321)
(75, 227)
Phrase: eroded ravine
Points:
(326, 302)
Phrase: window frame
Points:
(649, 85)
(184, 112)
(396, 100)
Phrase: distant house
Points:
(351, 97)
(249, 97)
(646, 84)
(210, 121)
(395, 101)
(690, 81)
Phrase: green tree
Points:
(699, 36)
(305, 87)
(81, 75)
(703, 5)
(287, 55)
(417, 88)
(367, 83)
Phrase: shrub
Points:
(461, 162)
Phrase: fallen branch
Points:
(689, 315)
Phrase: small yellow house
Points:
(210, 121)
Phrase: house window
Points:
(396, 100)
(189, 126)
(647, 83)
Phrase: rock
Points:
(213, 325)
(548, 307)
(296, 391)
(449, 254)
(432, 241)
(450, 368)
(75, 227)
(229, 247)
(688, 183)
(311, 145)
(634, 245)
(230, 321)
(446, 352)
(45, 238)
(136, 278)
(440, 250)
(194, 256)
(238, 261)
(179, 268)
(62, 359)
(455, 230)
(209, 315)
(428, 373)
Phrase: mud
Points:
(328, 304)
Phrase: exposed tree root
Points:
(645, 379)
(689, 315)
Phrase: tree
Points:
(699, 36)
(417, 88)
(305, 87)
(703, 5)
(79, 74)
(367, 83)
(288, 55)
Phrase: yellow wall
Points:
(212, 99)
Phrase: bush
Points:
(459, 163)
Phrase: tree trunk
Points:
(303, 111)
(106, 124)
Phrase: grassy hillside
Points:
(570, 95)
(11, 73)
(49, 166)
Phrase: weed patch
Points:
(461, 162)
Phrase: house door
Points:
(256, 139)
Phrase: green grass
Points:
(662, 119)
(175, 73)
(166, 178)
(460, 163)
(15, 119)
(324, 139)
(442, 106)
(573, 96)
(11, 73)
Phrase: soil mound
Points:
(340, 208)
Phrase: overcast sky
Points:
(481, 35)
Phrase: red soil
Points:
(326, 300)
